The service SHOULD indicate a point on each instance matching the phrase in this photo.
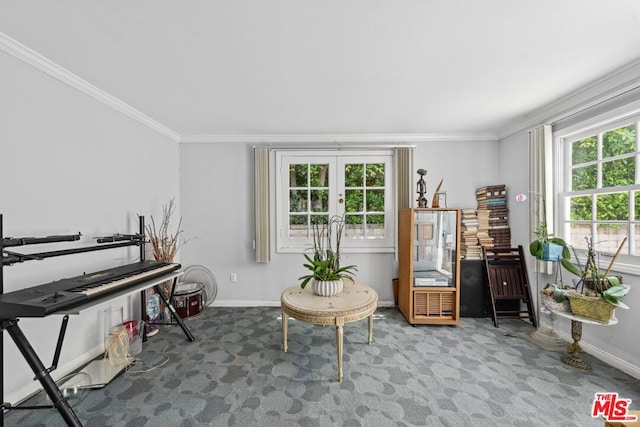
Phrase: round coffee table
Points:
(355, 302)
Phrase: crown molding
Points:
(607, 87)
(338, 138)
(23, 53)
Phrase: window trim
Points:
(628, 264)
(386, 245)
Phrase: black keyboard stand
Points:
(41, 373)
(172, 310)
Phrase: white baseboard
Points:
(261, 303)
(604, 356)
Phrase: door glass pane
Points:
(319, 200)
(298, 175)
(298, 200)
(353, 175)
(637, 208)
(375, 200)
(364, 195)
(354, 226)
(308, 197)
(375, 226)
(319, 175)
(375, 175)
(298, 226)
(354, 201)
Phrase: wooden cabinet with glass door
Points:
(429, 265)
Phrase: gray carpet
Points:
(236, 374)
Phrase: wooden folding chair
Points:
(508, 281)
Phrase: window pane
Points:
(298, 226)
(354, 201)
(580, 207)
(619, 172)
(319, 200)
(319, 219)
(578, 234)
(375, 226)
(609, 236)
(619, 141)
(375, 200)
(584, 178)
(354, 226)
(354, 175)
(585, 150)
(637, 208)
(613, 206)
(375, 175)
(298, 200)
(319, 175)
(298, 175)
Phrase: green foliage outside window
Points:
(615, 172)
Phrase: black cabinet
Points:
(474, 291)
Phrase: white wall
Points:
(71, 164)
(617, 345)
(217, 204)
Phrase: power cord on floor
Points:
(138, 361)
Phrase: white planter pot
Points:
(327, 289)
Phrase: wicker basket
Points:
(594, 308)
(553, 305)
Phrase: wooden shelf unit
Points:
(428, 252)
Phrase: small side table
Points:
(355, 302)
(573, 358)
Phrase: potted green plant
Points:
(326, 274)
(548, 247)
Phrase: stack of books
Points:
(470, 245)
(494, 200)
(484, 239)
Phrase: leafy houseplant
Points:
(544, 245)
(324, 264)
(547, 246)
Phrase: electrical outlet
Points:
(233, 277)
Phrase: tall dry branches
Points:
(164, 242)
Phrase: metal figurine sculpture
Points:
(422, 188)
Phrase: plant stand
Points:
(573, 359)
(545, 336)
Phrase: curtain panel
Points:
(541, 186)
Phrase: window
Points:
(312, 186)
(600, 188)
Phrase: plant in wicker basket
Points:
(597, 294)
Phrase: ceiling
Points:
(213, 67)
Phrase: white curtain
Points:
(261, 194)
(541, 186)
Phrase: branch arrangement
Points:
(165, 243)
